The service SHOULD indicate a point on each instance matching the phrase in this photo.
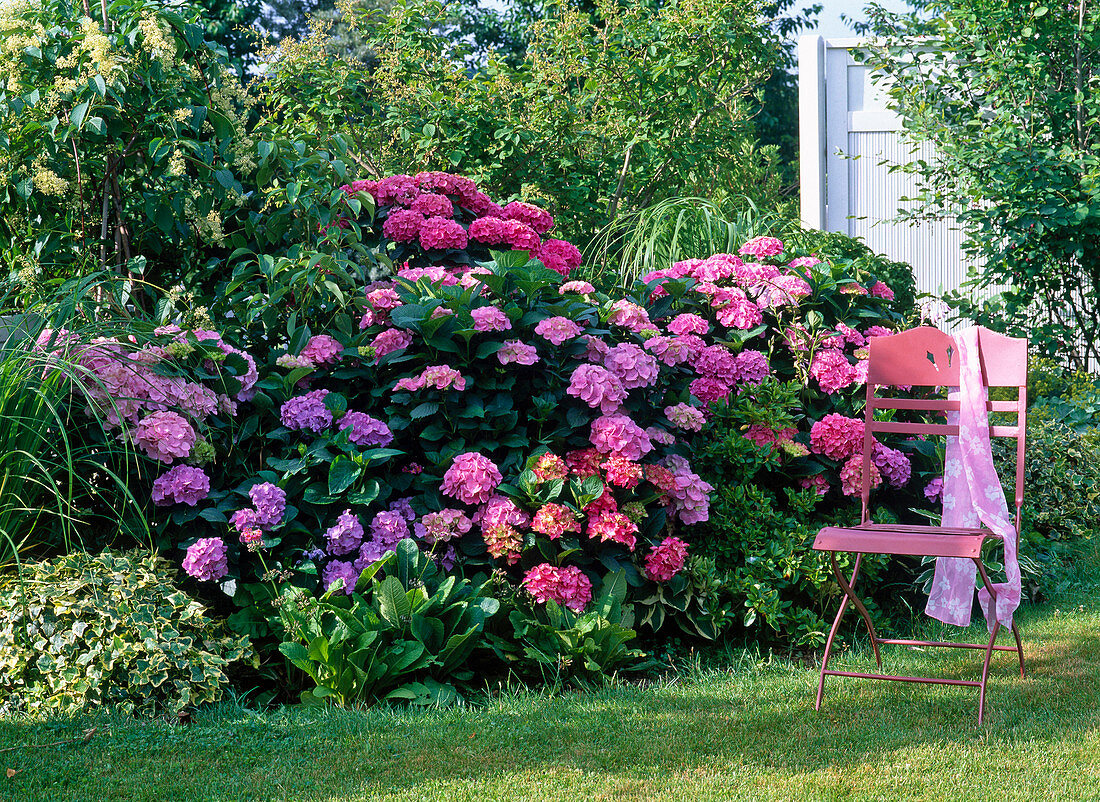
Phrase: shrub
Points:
(85, 630)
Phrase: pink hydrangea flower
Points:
(579, 287)
(832, 370)
(818, 482)
(165, 436)
(708, 389)
(739, 313)
(686, 417)
(877, 331)
(389, 340)
(346, 535)
(181, 485)
(689, 495)
(560, 256)
(660, 436)
(618, 434)
(322, 350)
(803, 261)
(852, 288)
(666, 560)
(490, 318)
(206, 559)
(488, 230)
(567, 586)
(549, 467)
(752, 367)
(554, 520)
(766, 436)
(538, 219)
(430, 204)
(443, 526)
(365, 430)
(437, 377)
(837, 437)
(520, 236)
(851, 476)
(503, 540)
(269, 501)
(436, 274)
(557, 329)
(622, 472)
(597, 387)
(440, 233)
(520, 353)
(306, 412)
(399, 189)
(688, 323)
(675, 350)
(717, 362)
(403, 225)
(615, 527)
(634, 367)
(383, 299)
(500, 511)
(630, 316)
(761, 247)
(881, 290)
(471, 478)
(850, 335)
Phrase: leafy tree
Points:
(232, 24)
(1008, 94)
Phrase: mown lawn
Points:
(745, 730)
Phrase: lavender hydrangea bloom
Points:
(340, 569)
(206, 559)
(307, 412)
(365, 430)
(270, 502)
(403, 507)
(181, 485)
(388, 528)
(345, 535)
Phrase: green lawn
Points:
(746, 730)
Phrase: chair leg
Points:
(1019, 648)
(992, 638)
(847, 587)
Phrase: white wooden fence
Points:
(848, 137)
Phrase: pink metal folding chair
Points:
(926, 357)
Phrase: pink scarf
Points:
(972, 495)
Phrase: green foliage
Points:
(596, 120)
(61, 477)
(1005, 92)
(122, 139)
(556, 643)
(82, 630)
(698, 601)
(405, 633)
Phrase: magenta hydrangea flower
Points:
(399, 189)
(836, 436)
(520, 353)
(431, 204)
(388, 528)
(832, 370)
(615, 527)
(567, 586)
(346, 535)
(500, 511)
(389, 340)
(206, 559)
(270, 503)
(675, 350)
(752, 367)
(597, 387)
(933, 491)
(383, 299)
(851, 476)
(818, 482)
(165, 436)
(490, 318)
(688, 323)
(579, 287)
(340, 569)
(306, 412)
(666, 560)
(634, 367)
(471, 479)
(740, 313)
(488, 230)
(881, 290)
(618, 434)
(560, 256)
(437, 377)
(403, 225)
(538, 219)
(520, 236)
(630, 316)
(557, 329)
(244, 520)
(322, 350)
(708, 389)
(689, 495)
(761, 247)
(365, 430)
(686, 417)
(439, 233)
(181, 485)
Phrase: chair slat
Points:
(901, 427)
(933, 404)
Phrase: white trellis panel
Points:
(848, 139)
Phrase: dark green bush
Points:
(85, 630)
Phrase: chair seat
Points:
(933, 541)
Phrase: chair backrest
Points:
(927, 357)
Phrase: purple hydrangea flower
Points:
(365, 430)
(345, 535)
(340, 569)
(270, 502)
(181, 485)
(206, 559)
(307, 412)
